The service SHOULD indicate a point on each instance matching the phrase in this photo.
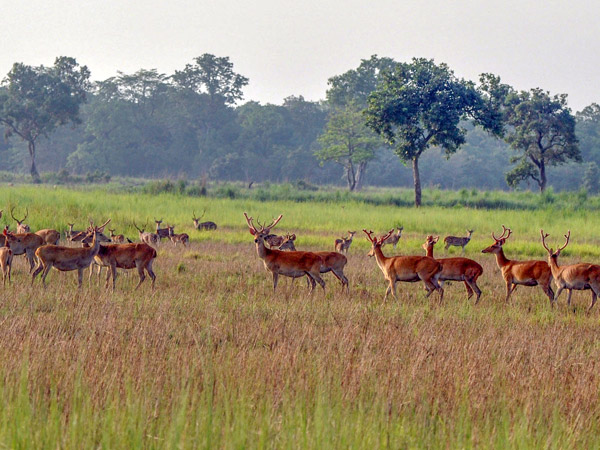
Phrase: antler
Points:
(504, 230)
(194, 216)
(369, 233)
(136, 227)
(275, 222)
(101, 227)
(544, 236)
(250, 223)
(389, 233)
(17, 220)
(567, 236)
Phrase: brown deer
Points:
(394, 238)
(71, 232)
(126, 256)
(457, 269)
(66, 258)
(175, 238)
(49, 236)
(161, 232)
(580, 276)
(515, 273)
(289, 264)
(6, 256)
(21, 227)
(405, 268)
(116, 238)
(24, 243)
(457, 241)
(203, 225)
(288, 243)
(343, 245)
(146, 237)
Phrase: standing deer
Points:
(573, 276)
(175, 238)
(116, 238)
(66, 258)
(289, 264)
(126, 256)
(161, 232)
(24, 243)
(203, 225)
(457, 269)
(6, 256)
(21, 227)
(71, 232)
(343, 245)
(394, 238)
(525, 273)
(146, 237)
(457, 241)
(405, 268)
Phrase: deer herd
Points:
(280, 257)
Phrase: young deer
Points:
(525, 273)
(288, 243)
(289, 264)
(203, 225)
(573, 276)
(21, 227)
(394, 238)
(405, 268)
(116, 238)
(175, 238)
(343, 245)
(6, 255)
(146, 237)
(163, 233)
(457, 269)
(457, 241)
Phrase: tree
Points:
(35, 101)
(420, 105)
(541, 129)
(350, 143)
(591, 181)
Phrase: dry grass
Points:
(213, 359)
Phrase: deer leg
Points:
(569, 292)
(141, 274)
(108, 273)
(510, 287)
(112, 272)
(594, 297)
(558, 292)
(387, 291)
(79, 277)
(317, 277)
(275, 278)
(45, 273)
(38, 269)
(549, 292)
(30, 259)
(473, 285)
(469, 290)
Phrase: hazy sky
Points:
(292, 48)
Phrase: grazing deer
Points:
(116, 238)
(175, 238)
(6, 256)
(161, 232)
(457, 269)
(405, 268)
(457, 241)
(49, 236)
(573, 276)
(21, 227)
(515, 273)
(146, 237)
(24, 243)
(289, 264)
(288, 243)
(394, 238)
(343, 245)
(203, 225)
(66, 258)
(126, 256)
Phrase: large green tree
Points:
(421, 105)
(541, 130)
(34, 101)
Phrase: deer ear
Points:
(4, 232)
(252, 232)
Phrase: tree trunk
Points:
(33, 171)
(542, 182)
(360, 173)
(417, 180)
(351, 177)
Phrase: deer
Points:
(49, 236)
(6, 256)
(24, 243)
(405, 268)
(146, 237)
(71, 232)
(21, 227)
(66, 258)
(456, 269)
(116, 238)
(288, 243)
(175, 238)
(126, 256)
(580, 276)
(203, 225)
(289, 264)
(394, 238)
(161, 232)
(520, 273)
(343, 245)
(458, 241)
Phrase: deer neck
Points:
(380, 258)
(501, 259)
(261, 249)
(554, 267)
(429, 251)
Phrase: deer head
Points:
(496, 247)
(553, 255)
(21, 227)
(264, 231)
(376, 242)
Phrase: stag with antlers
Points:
(524, 273)
(289, 264)
(21, 227)
(405, 268)
(146, 237)
(203, 225)
(580, 276)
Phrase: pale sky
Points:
(291, 48)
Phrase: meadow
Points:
(212, 358)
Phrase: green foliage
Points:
(591, 178)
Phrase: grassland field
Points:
(214, 359)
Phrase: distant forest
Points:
(194, 124)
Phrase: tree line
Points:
(385, 123)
